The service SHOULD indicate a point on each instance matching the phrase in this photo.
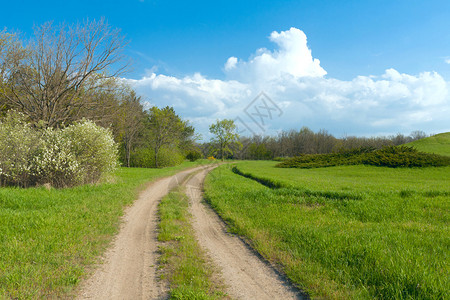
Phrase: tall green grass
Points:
(344, 232)
(50, 237)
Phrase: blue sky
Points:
(384, 62)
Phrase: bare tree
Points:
(46, 80)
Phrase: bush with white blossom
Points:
(18, 143)
(78, 154)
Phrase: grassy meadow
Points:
(437, 144)
(50, 237)
(346, 232)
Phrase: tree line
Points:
(304, 141)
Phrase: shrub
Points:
(18, 142)
(342, 157)
(145, 157)
(54, 162)
(142, 158)
(404, 156)
(77, 154)
(93, 147)
(390, 156)
(193, 155)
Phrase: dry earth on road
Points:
(129, 267)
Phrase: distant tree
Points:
(166, 128)
(224, 136)
(417, 135)
(52, 78)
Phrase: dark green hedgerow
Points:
(391, 156)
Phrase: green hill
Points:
(438, 144)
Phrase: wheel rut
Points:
(246, 275)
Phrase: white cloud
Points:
(295, 81)
(231, 63)
(292, 59)
(447, 61)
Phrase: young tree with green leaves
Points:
(224, 136)
(165, 128)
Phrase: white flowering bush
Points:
(94, 148)
(77, 154)
(55, 162)
(18, 143)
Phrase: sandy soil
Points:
(128, 269)
(245, 274)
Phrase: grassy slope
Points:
(184, 262)
(49, 237)
(345, 232)
(438, 144)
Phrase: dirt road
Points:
(245, 274)
(129, 266)
(128, 269)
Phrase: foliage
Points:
(390, 156)
(193, 155)
(77, 154)
(55, 162)
(346, 232)
(404, 156)
(259, 152)
(343, 157)
(18, 144)
(93, 147)
(225, 136)
(166, 128)
(145, 157)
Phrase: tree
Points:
(49, 78)
(166, 128)
(225, 136)
(132, 117)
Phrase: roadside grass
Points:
(185, 267)
(438, 144)
(49, 238)
(348, 232)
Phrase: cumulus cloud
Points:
(447, 61)
(296, 84)
(231, 63)
(293, 58)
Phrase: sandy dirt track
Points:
(245, 274)
(128, 269)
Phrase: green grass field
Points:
(50, 237)
(344, 232)
(438, 144)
